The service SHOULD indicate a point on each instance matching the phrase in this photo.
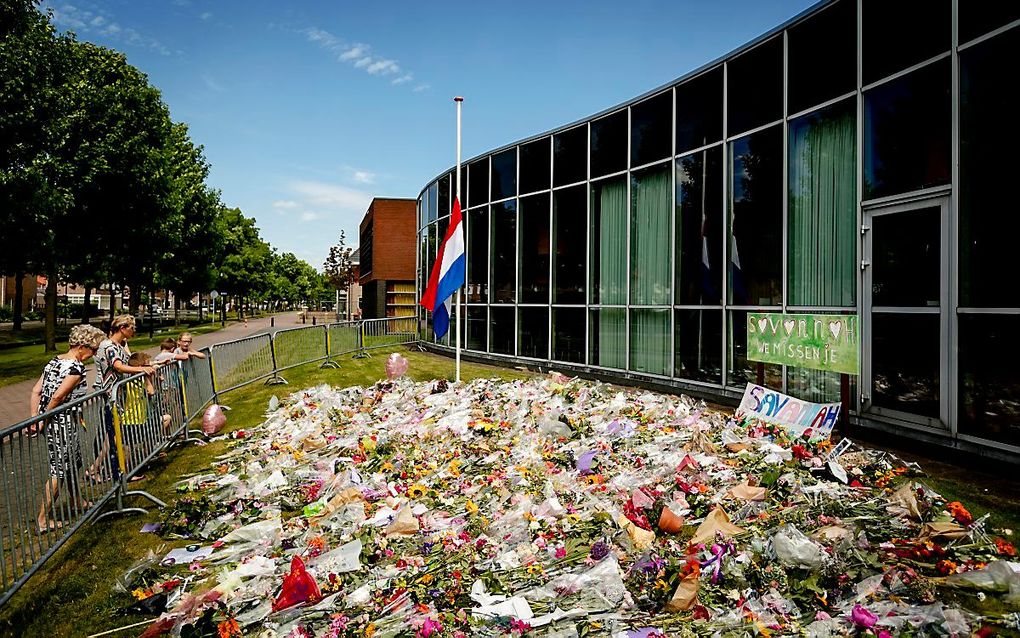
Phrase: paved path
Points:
(14, 398)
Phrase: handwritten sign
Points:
(819, 342)
(793, 414)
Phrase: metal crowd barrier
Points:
(237, 363)
(58, 472)
(67, 465)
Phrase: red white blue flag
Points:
(448, 274)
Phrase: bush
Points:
(6, 314)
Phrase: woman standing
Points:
(63, 379)
(111, 364)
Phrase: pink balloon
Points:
(396, 366)
(213, 420)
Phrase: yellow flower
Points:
(534, 569)
(455, 468)
(573, 518)
(298, 455)
(426, 579)
(471, 507)
(370, 630)
(386, 467)
(416, 491)
(139, 594)
(661, 584)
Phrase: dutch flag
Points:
(448, 274)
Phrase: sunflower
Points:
(471, 507)
(416, 491)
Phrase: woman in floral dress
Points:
(63, 380)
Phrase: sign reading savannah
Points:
(819, 342)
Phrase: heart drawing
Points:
(761, 325)
(788, 325)
(835, 327)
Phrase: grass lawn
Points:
(26, 362)
(72, 594)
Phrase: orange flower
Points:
(1004, 547)
(960, 513)
(228, 629)
(946, 567)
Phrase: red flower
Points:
(960, 513)
(800, 452)
(1004, 547)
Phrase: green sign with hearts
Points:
(819, 342)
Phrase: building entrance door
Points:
(906, 313)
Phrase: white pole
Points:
(459, 100)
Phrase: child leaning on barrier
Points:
(63, 380)
(140, 404)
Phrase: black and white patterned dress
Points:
(62, 435)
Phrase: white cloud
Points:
(309, 216)
(213, 84)
(363, 177)
(205, 15)
(324, 195)
(91, 23)
(285, 203)
(358, 54)
(420, 88)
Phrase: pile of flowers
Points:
(561, 507)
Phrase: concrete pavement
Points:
(14, 398)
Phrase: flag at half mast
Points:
(447, 275)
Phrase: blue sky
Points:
(309, 109)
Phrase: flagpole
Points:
(459, 100)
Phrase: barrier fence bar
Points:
(298, 346)
(236, 363)
(343, 337)
(56, 470)
(382, 333)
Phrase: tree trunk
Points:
(135, 298)
(177, 310)
(200, 308)
(85, 306)
(16, 304)
(51, 311)
(113, 302)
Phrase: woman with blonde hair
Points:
(111, 364)
(63, 380)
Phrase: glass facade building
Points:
(854, 160)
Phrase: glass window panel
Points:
(823, 208)
(989, 209)
(502, 329)
(433, 201)
(698, 344)
(905, 372)
(421, 219)
(650, 232)
(445, 189)
(907, 132)
(906, 263)
(504, 175)
(463, 187)
(479, 182)
(570, 156)
(535, 169)
(607, 343)
(989, 377)
(570, 220)
(649, 341)
(756, 218)
(978, 17)
(699, 111)
(609, 241)
(817, 386)
(755, 92)
(504, 251)
(822, 56)
(477, 327)
(441, 227)
(568, 334)
(609, 144)
(898, 35)
(699, 227)
(533, 340)
(478, 255)
(650, 129)
(431, 260)
(740, 371)
(534, 248)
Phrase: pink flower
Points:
(862, 617)
(822, 616)
(561, 552)
(429, 627)
(884, 634)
